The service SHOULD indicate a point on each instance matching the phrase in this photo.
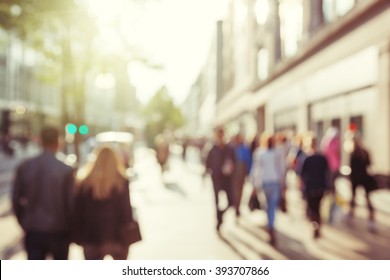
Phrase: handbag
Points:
(254, 202)
(371, 183)
(131, 233)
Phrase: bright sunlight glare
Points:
(106, 10)
(175, 34)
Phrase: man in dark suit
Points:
(41, 198)
(220, 163)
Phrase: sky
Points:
(175, 34)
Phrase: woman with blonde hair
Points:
(102, 207)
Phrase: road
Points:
(177, 220)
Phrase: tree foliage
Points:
(161, 115)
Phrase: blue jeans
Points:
(272, 193)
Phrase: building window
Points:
(261, 11)
(329, 10)
(291, 25)
(333, 9)
(241, 15)
(262, 64)
(343, 7)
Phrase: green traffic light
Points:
(83, 129)
(71, 128)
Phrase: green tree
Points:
(64, 33)
(161, 115)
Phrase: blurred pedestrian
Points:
(25, 139)
(220, 163)
(315, 176)
(267, 175)
(42, 198)
(296, 157)
(204, 152)
(283, 146)
(360, 163)
(185, 144)
(331, 149)
(254, 143)
(102, 207)
(162, 151)
(254, 202)
(241, 171)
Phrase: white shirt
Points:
(267, 167)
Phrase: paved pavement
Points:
(177, 220)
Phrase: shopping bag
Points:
(371, 183)
(131, 233)
(332, 208)
(254, 202)
(326, 205)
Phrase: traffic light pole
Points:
(77, 147)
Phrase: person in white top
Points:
(267, 174)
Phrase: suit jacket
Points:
(42, 194)
(216, 159)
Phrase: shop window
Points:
(333, 9)
(356, 124)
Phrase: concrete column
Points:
(261, 119)
(273, 33)
(381, 156)
(303, 118)
(313, 17)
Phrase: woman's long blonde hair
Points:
(105, 174)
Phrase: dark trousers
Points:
(369, 204)
(313, 207)
(223, 183)
(238, 185)
(98, 251)
(39, 245)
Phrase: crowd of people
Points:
(265, 162)
(56, 205)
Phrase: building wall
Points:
(31, 100)
(343, 79)
(339, 83)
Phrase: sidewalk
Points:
(177, 218)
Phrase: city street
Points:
(176, 215)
